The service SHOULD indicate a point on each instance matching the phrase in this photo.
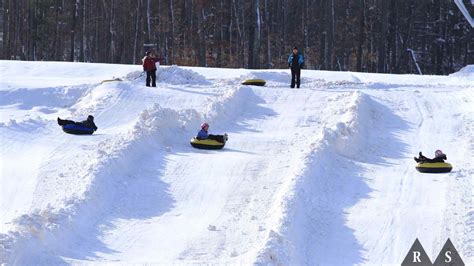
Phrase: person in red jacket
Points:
(149, 66)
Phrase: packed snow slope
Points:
(322, 175)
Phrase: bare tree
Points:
(362, 35)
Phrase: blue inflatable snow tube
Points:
(77, 130)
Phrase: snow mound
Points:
(349, 137)
(29, 125)
(157, 120)
(466, 72)
(97, 97)
(180, 76)
(228, 104)
(55, 74)
(53, 97)
(134, 75)
(305, 198)
(269, 76)
(107, 173)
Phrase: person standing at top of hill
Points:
(295, 63)
(149, 65)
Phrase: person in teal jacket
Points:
(295, 63)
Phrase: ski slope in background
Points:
(320, 175)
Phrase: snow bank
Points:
(52, 74)
(97, 97)
(350, 136)
(228, 105)
(50, 97)
(25, 126)
(298, 228)
(179, 76)
(106, 172)
(271, 77)
(466, 72)
(40, 230)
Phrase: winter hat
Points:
(438, 153)
(90, 117)
(147, 53)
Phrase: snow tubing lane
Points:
(254, 82)
(77, 130)
(434, 167)
(206, 144)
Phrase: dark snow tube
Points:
(77, 130)
(434, 167)
(255, 82)
(206, 144)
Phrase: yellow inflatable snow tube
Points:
(207, 144)
(255, 82)
(434, 167)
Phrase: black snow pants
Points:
(295, 76)
(63, 122)
(219, 138)
(151, 76)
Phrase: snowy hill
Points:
(320, 175)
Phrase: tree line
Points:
(384, 36)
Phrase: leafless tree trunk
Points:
(73, 30)
(148, 20)
(381, 51)
(135, 39)
(268, 32)
(171, 34)
(361, 36)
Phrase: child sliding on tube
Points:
(203, 134)
(439, 158)
(89, 123)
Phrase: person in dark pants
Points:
(89, 123)
(149, 66)
(295, 63)
(439, 158)
(203, 134)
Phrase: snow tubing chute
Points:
(255, 82)
(434, 167)
(207, 144)
(77, 129)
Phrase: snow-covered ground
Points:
(320, 175)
